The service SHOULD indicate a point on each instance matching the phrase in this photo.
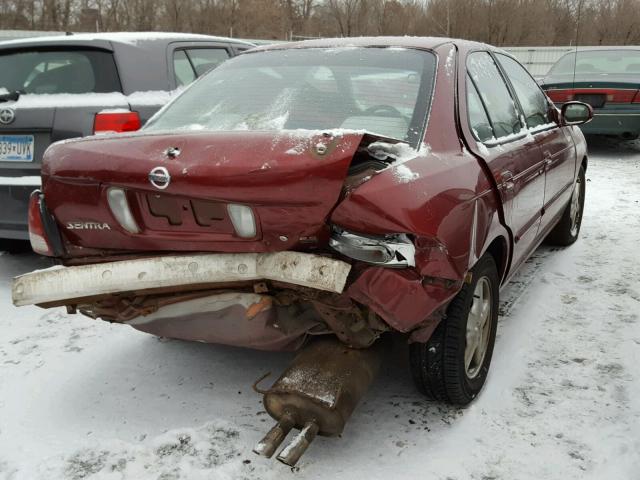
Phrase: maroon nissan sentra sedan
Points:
(318, 196)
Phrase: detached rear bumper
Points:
(62, 284)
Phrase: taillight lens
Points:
(560, 96)
(613, 95)
(37, 234)
(116, 122)
(392, 250)
(619, 96)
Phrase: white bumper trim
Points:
(20, 181)
(67, 283)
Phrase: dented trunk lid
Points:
(291, 180)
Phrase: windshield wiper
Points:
(11, 96)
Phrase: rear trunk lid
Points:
(291, 181)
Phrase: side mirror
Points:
(576, 113)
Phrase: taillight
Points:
(613, 95)
(560, 96)
(116, 122)
(37, 233)
(619, 96)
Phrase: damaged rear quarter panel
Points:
(443, 199)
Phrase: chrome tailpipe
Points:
(272, 440)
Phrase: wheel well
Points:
(498, 250)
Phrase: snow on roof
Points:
(382, 41)
(105, 100)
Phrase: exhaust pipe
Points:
(272, 440)
(292, 452)
(317, 394)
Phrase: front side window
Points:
(495, 94)
(379, 90)
(59, 71)
(532, 100)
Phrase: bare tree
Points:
(345, 14)
(500, 22)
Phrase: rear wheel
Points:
(568, 228)
(452, 365)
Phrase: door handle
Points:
(506, 178)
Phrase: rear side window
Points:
(183, 69)
(204, 59)
(191, 63)
(495, 94)
(59, 71)
(478, 119)
(532, 100)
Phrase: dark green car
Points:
(607, 78)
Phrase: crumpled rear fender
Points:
(401, 297)
(455, 230)
(443, 200)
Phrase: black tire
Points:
(438, 366)
(566, 231)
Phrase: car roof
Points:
(129, 38)
(428, 43)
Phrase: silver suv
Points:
(54, 88)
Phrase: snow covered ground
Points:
(85, 399)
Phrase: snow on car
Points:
(379, 212)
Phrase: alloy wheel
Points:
(478, 328)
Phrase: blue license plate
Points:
(16, 148)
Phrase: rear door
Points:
(512, 155)
(558, 150)
(54, 85)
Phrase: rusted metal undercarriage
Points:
(264, 315)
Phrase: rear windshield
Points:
(59, 71)
(599, 61)
(382, 90)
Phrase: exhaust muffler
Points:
(317, 394)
